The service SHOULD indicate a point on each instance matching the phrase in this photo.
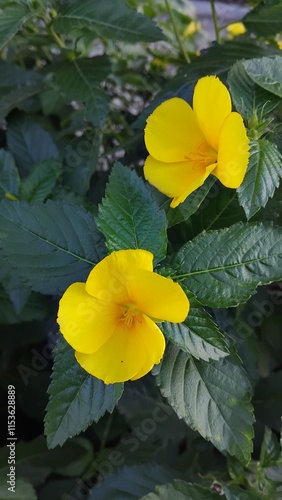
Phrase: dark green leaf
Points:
(118, 23)
(15, 288)
(262, 178)
(234, 492)
(266, 72)
(24, 491)
(129, 216)
(9, 175)
(11, 20)
(247, 96)
(29, 143)
(41, 181)
(11, 98)
(270, 449)
(76, 398)
(223, 268)
(36, 307)
(213, 398)
(268, 401)
(180, 490)
(265, 19)
(198, 335)
(50, 245)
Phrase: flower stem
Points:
(170, 13)
(215, 21)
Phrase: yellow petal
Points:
(85, 323)
(108, 280)
(158, 297)
(233, 152)
(235, 29)
(128, 351)
(172, 131)
(211, 103)
(194, 184)
(174, 179)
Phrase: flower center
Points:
(204, 155)
(130, 315)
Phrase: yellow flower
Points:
(110, 320)
(235, 29)
(186, 145)
(192, 28)
(279, 44)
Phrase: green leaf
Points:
(10, 98)
(266, 72)
(213, 398)
(9, 175)
(180, 490)
(190, 205)
(51, 245)
(76, 398)
(23, 490)
(265, 19)
(223, 268)
(29, 143)
(36, 307)
(129, 216)
(14, 287)
(270, 449)
(234, 492)
(79, 80)
(118, 23)
(11, 20)
(198, 335)
(268, 401)
(262, 178)
(131, 482)
(247, 96)
(41, 181)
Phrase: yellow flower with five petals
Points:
(111, 319)
(185, 145)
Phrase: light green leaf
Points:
(76, 398)
(247, 96)
(270, 449)
(262, 178)
(265, 19)
(41, 181)
(213, 398)
(266, 72)
(118, 23)
(9, 175)
(11, 20)
(223, 268)
(129, 216)
(180, 490)
(50, 245)
(198, 335)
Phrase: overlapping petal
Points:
(172, 131)
(127, 352)
(85, 322)
(233, 152)
(211, 104)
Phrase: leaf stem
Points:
(215, 21)
(55, 37)
(181, 47)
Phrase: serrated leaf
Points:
(213, 398)
(11, 20)
(51, 245)
(265, 19)
(129, 216)
(198, 335)
(266, 72)
(270, 449)
(41, 181)
(76, 398)
(29, 143)
(9, 175)
(118, 23)
(189, 206)
(11, 98)
(131, 482)
(247, 96)
(223, 268)
(181, 490)
(262, 178)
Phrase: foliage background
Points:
(78, 79)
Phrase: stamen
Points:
(130, 315)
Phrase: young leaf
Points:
(213, 398)
(129, 216)
(9, 175)
(223, 268)
(118, 23)
(262, 177)
(50, 245)
(41, 181)
(180, 490)
(198, 335)
(76, 398)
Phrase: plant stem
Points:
(50, 30)
(169, 10)
(215, 21)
